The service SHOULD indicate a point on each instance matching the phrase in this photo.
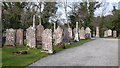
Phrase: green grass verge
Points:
(110, 37)
(9, 59)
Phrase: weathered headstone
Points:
(31, 37)
(19, 37)
(109, 33)
(76, 35)
(82, 33)
(114, 33)
(58, 35)
(39, 31)
(47, 40)
(10, 37)
(106, 33)
(70, 33)
(97, 31)
(67, 34)
(87, 32)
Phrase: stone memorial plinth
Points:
(31, 37)
(82, 33)
(109, 33)
(114, 33)
(19, 36)
(58, 35)
(47, 40)
(10, 37)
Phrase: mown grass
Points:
(111, 37)
(9, 59)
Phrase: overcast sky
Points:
(107, 6)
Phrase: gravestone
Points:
(114, 33)
(109, 33)
(87, 32)
(82, 33)
(10, 37)
(19, 37)
(67, 34)
(58, 35)
(70, 33)
(106, 33)
(39, 31)
(76, 35)
(31, 37)
(47, 40)
(97, 31)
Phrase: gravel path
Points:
(100, 52)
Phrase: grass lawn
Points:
(9, 59)
(111, 37)
(107, 37)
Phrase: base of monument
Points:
(47, 51)
(82, 39)
(8, 46)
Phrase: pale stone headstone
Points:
(76, 35)
(58, 35)
(10, 37)
(47, 40)
(82, 33)
(114, 33)
(39, 31)
(109, 33)
(97, 31)
(31, 37)
(87, 32)
(106, 33)
(19, 37)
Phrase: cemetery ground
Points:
(100, 52)
(10, 59)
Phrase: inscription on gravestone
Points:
(47, 40)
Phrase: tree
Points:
(12, 14)
(48, 11)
